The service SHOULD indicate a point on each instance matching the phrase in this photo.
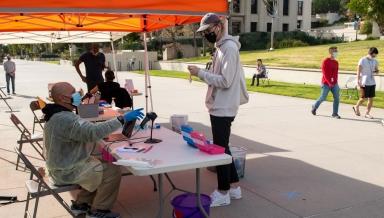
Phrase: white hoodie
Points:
(226, 80)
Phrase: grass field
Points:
(52, 62)
(277, 88)
(310, 57)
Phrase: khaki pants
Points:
(106, 193)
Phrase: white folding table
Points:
(109, 113)
(170, 155)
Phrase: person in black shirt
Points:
(94, 62)
(110, 89)
(107, 89)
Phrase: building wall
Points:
(246, 17)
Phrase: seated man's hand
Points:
(133, 115)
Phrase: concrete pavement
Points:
(298, 165)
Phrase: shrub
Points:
(290, 43)
(369, 38)
(366, 28)
(261, 40)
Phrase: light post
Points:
(272, 8)
(230, 6)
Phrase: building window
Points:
(236, 27)
(299, 22)
(285, 27)
(285, 7)
(253, 26)
(236, 6)
(269, 27)
(300, 8)
(254, 6)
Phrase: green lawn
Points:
(309, 57)
(276, 88)
(52, 62)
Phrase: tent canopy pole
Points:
(114, 58)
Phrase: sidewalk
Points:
(281, 74)
(298, 165)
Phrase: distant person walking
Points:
(261, 72)
(367, 68)
(330, 70)
(94, 62)
(10, 70)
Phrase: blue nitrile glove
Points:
(132, 115)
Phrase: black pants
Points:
(257, 77)
(92, 84)
(221, 131)
(8, 79)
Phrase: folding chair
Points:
(265, 79)
(37, 187)
(350, 88)
(4, 97)
(35, 106)
(26, 137)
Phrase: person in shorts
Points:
(367, 68)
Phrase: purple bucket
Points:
(185, 205)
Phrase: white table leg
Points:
(161, 200)
(202, 210)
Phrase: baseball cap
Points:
(207, 21)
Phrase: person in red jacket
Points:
(330, 69)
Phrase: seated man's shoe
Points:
(79, 209)
(218, 199)
(102, 214)
(235, 193)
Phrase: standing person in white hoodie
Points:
(226, 92)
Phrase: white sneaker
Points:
(235, 193)
(219, 199)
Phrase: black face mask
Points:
(211, 37)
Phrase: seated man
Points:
(261, 72)
(108, 89)
(69, 143)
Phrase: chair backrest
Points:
(122, 98)
(129, 85)
(25, 133)
(266, 74)
(34, 105)
(351, 82)
(26, 136)
(29, 165)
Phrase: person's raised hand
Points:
(133, 115)
(193, 70)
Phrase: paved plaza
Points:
(298, 165)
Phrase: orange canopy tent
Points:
(101, 15)
(105, 15)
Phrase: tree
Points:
(370, 9)
(132, 41)
(325, 6)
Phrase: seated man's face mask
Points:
(76, 99)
